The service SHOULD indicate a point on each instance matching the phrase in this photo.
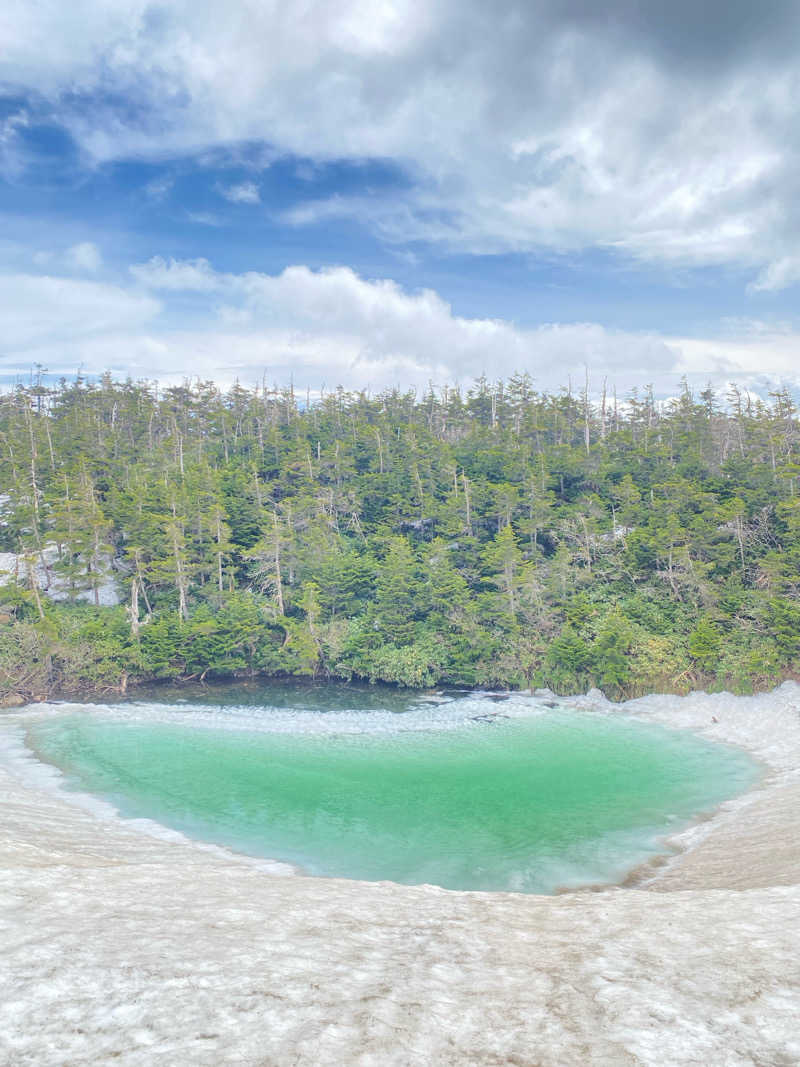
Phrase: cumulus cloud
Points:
(85, 257)
(315, 326)
(330, 327)
(359, 327)
(757, 355)
(667, 131)
(244, 193)
(40, 310)
(186, 275)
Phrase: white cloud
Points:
(334, 327)
(38, 310)
(82, 258)
(754, 355)
(779, 274)
(12, 159)
(204, 218)
(244, 193)
(316, 326)
(527, 125)
(159, 188)
(187, 274)
(85, 257)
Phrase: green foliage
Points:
(611, 654)
(568, 660)
(412, 665)
(498, 536)
(397, 594)
(704, 643)
(783, 617)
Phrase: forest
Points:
(489, 536)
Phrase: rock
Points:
(12, 700)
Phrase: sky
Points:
(381, 193)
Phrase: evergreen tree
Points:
(494, 536)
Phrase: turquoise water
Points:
(377, 786)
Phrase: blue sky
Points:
(393, 193)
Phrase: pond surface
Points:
(461, 791)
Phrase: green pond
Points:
(464, 793)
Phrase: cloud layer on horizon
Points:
(332, 327)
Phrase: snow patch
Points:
(14, 568)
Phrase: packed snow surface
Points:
(132, 947)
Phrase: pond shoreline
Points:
(14, 699)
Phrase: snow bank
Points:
(122, 946)
(14, 568)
